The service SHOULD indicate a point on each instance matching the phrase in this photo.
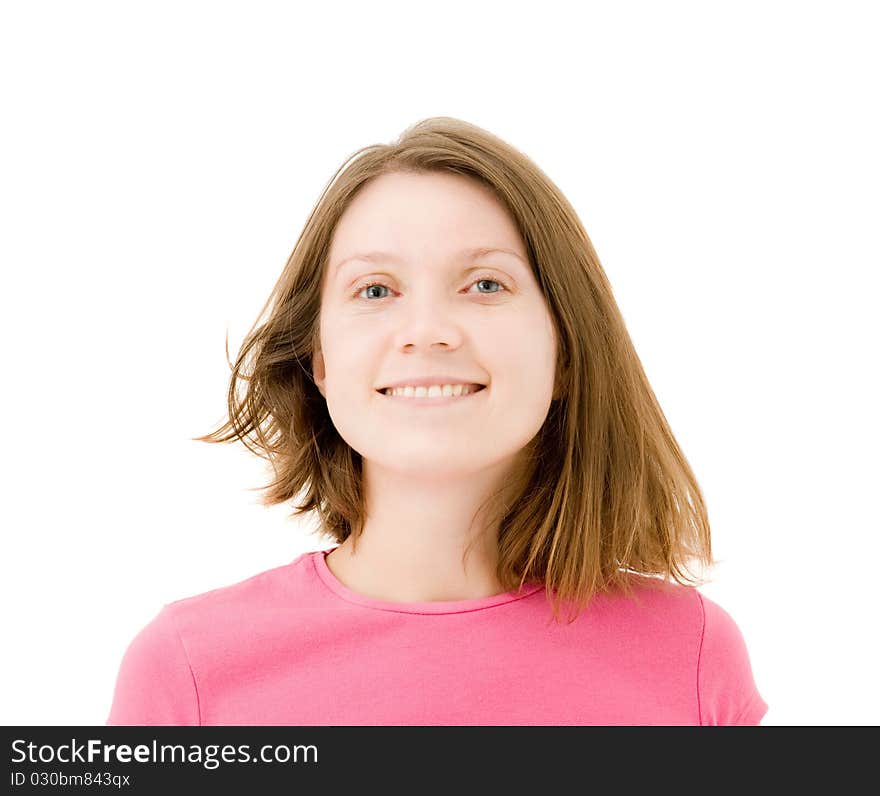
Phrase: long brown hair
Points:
(604, 495)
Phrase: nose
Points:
(429, 324)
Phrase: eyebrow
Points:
(463, 254)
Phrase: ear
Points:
(318, 373)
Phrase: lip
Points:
(429, 381)
(447, 400)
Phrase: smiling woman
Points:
(434, 326)
(445, 380)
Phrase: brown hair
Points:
(603, 495)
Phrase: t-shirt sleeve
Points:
(155, 684)
(727, 691)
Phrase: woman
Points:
(446, 375)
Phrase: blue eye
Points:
(375, 284)
(367, 285)
(495, 281)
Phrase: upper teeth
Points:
(434, 391)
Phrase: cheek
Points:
(347, 349)
(527, 349)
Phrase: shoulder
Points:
(674, 606)
(155, 683)
(700, 635)
(167, 662)
(726, 685)
(255, 596)
(249, 613)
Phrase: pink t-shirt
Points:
(294, 646)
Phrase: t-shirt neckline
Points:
(435, 607)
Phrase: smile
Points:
(434, 395)
(434, 391)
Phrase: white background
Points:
(159, 160)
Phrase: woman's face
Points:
(435, 308)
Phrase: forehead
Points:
(423, 214)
